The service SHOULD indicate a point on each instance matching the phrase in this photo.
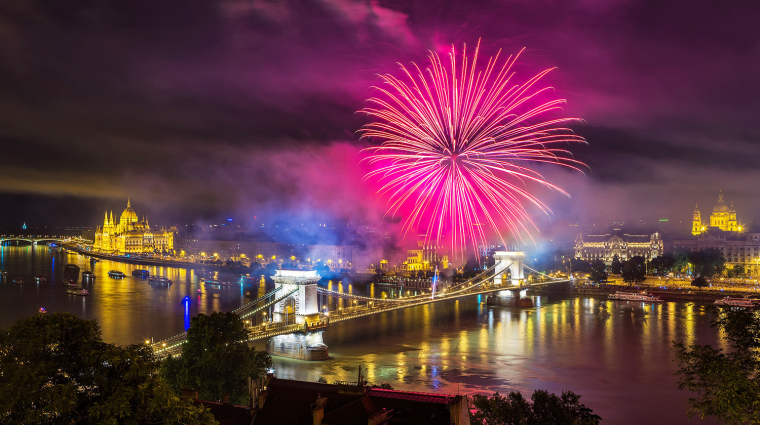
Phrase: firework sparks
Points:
(458, 144)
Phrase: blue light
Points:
(229, 219)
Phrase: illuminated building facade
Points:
(130, 235)
(424, 258)
(605, 247)
(737, 248)
(723, 217)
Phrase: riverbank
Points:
(145, 262)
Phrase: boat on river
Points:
(40, 278)
(216, 282)
(69, 282)
(3, 273)
(633, 296)
(160, 279)
(737, 302)
(88, 275)
(18, 280)
(76, 290)
(116, 274)
(140, 273)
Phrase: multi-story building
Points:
(130, 235)
(723, 217)
(425, 258)
(605, 247)
(243, 251)
(334, 256)
(738, 248)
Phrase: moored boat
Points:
(88, 275)
(160, 279)
(18, 280)
(633, 296)
(216, 282)
(140, 273)
(737, 302)
(40, 278)
(3, 273)
(116, 274)
(69, 282)
(75, 290)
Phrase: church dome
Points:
(129, 215)
(721, 206)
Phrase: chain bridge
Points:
(296, 326)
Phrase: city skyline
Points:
(224, 108)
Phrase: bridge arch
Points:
(509, 265)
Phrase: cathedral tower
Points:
(696, 226)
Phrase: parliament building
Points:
(130, 235)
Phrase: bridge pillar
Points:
(304, 345)
(511, 261)
(305, 283)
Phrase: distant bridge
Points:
(296, 309)
(33, 239)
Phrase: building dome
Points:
(721, 206)
(129, 215)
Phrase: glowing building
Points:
(605, 247)
(723, 217)
(130, 235)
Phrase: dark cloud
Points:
(197, 108)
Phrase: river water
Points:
(617, 355)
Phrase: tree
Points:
(578, 265)
(707, 262)
(738, 270)
(699, 282)
(634, 270)
(726, 384)
(662, 265)
(598, 271)
(216, 360)
(544, 409)
(55, 369)
(616, 267)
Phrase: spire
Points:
(720, 196)
(111, 220)
(696, 207)
(105, 220)
(128, 204)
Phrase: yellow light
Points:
(242, 255)
(274, 257)
(293, 257)
(147, 341)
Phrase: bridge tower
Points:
(303, 303)
(511, 261)
(301, 307)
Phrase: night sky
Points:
(199, 110)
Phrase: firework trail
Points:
(457, 146)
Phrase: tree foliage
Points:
(726, 384)
(544, 408)
(55, 369)
(598, 271)
(699, 282)
(616, 267)
(634, 270)
(707, 262)
(216, 359)
(662, 265)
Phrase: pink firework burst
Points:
(458, 144)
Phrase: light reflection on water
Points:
(615, 354)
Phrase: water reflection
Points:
(607, 351)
